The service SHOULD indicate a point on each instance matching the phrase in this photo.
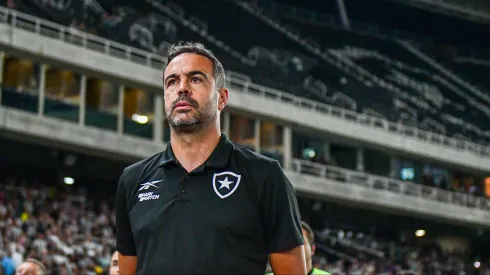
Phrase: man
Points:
(310, 247)
(114, 266)
(309, 237)
(31, 267)
(205, 205)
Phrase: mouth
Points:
(183, 105)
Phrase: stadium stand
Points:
(69, 234)
(141, 31)
(429, 100)
(437, 105)
(65, 222)
(302, 166)
(72, 232)
(357, 70)
(320, 62)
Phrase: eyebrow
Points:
(191, 73)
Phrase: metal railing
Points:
(388, 184)
(318, 18)
(400, 128)
(446, 72)
(238, 81)
(74, 36)
(197, 26)
(464, 9)
(323, 19)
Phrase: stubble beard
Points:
(202, 118)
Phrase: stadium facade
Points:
(131, 131)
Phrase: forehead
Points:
(114, 256)
(28, 266)
(187, 62)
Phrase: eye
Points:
(195, 79)
(171, 82)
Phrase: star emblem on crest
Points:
(225, 183)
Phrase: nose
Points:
(184, 88)
(184, 91)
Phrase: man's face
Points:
(191, 99)
(308, 247)
(27, 268)
(114, 267)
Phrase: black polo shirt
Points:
(226, 216)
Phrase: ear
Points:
(313, 249)
(223, 98)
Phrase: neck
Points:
(193, 149)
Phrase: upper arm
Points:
(127, 264)
(291, 261)
(124, 235)
(280, 215)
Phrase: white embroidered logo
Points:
(225, 183)
(148, 196)
(147, 185)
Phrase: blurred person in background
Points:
(309, 237)
(31, 267)
(114, 266)
(7, 264)
(309, 247)
(268, 269)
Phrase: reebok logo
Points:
(147, 185)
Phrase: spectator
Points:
(31, 267)
(7, 264)
(114, 267)
(55, 228)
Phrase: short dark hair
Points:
(309, 231)
(199, 49)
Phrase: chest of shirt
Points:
(218, 200)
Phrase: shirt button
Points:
(186, 177)
(183, 191)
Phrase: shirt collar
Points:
(218, 158)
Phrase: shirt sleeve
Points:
(280, 217)
(124, 235)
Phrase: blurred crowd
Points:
(66, 233)
(416, 265)
(73, 235)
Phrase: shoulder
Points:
(258, 167)
(252, 160)
(132, 172)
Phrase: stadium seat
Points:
(349, 70)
